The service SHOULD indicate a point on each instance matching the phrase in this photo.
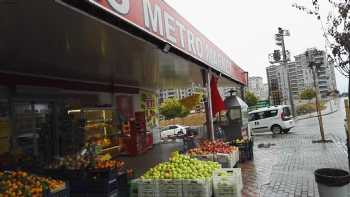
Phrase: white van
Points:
(276, 119)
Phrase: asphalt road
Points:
(333, 125)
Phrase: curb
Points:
(326, 114)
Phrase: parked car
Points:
(277, 119)
(173, 130)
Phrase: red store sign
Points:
(159, 19)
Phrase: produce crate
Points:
(148, 188)
(238, 171)
(114, 193)
(78, 186)
(133, 185)
(170, 188)
(246, 151)
(235, 158)
(99, 182)
(225, 160)
(209, 157)
(122, 180)
(66, 174)
(197, 188)
(77, 179)
(123, 193)
(64, 192)
(102, 181)
(227, 182)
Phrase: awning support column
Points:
(208, 105)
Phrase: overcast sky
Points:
(245, 29)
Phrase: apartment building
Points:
(178, 93)
(300, 76)
(256, 86)
(278, 88)
(265, 92)
(325, 73)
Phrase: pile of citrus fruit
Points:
(78, 162)
(19, 183)
(110, 164)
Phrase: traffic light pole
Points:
(291, 100)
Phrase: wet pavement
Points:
(286, 169)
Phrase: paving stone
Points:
(287, 168)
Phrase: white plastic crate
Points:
(225, 160)
(133, 188)
(197, 188)
(235, 157)
(147, 188)
(209, 157)
(240, 178)
(170, 188)
(227, 182)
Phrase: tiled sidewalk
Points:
(286, 169)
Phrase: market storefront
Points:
(76, 72)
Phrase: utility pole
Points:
(280, 37)
(315, 66)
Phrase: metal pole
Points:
(349, 89)
(347, 109)
(286, 67)
(210, 107)
(346, 102)
(319, 115)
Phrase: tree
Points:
(336, 33)
(192, 101)
(308, 94)
(184, 112)
(251, 99)
(172, 108)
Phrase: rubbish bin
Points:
(332, 182)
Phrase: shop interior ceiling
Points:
(41, 37)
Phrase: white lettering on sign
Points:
(153, 18)
(182, 29)
(122, 6)
(169, 28)
(199, 47)
(219, 60)
(163, 22)
(190, 42)
(206, 51)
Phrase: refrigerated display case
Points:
(98, 127)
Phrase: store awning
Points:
(46, 38)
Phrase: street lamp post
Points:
(280, 41)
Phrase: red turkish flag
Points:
(216, 100)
